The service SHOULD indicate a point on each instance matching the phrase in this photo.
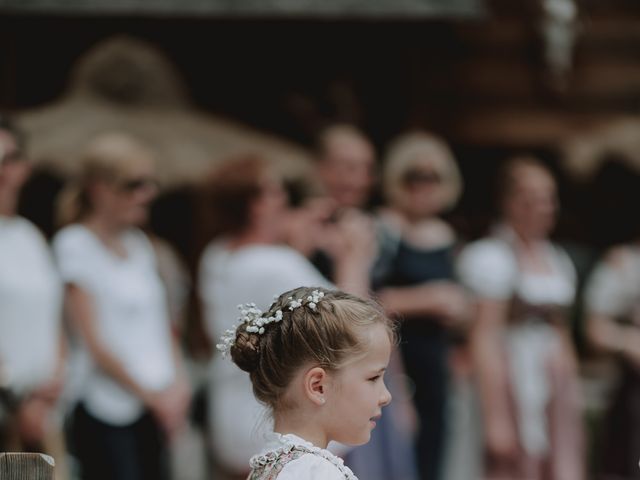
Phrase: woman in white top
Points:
(134, 394)
(524, 360)
(247, 262)
(31, 350)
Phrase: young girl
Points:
(317, 359)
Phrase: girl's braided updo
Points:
(326, 335)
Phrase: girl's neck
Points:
(300, 426)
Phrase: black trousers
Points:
(106, 452)
(425, 355)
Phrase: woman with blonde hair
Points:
(134, 393)
(415, 270)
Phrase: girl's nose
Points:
(386, 397)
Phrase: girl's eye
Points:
(373, 379)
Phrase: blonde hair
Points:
(109, 158)
(326, 336)
(420, 148)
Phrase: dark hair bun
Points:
(245, 351)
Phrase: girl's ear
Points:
(315, 385)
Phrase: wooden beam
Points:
(525, 128)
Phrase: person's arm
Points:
(181, 383)
(52, 389)
(164, 405)
(80, 309)
(4, 377)
(607, 335)
(177, 396)
(487, 353)
(444, 300)
(353, 277)
(354, 252)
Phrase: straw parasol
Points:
(583, 152)
(124, 84)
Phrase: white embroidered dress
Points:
(289, 457)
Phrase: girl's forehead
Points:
(374, 334)
(376, 348)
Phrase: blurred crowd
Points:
(95, 368)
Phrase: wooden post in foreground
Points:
(26, 466)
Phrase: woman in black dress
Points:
(415, 274)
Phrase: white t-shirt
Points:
(228, 278)
(131, 317)
(30, 305)
(318, 464)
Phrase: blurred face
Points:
(422, 191)
(126, 202)
(270, 206)
(306, 225)
(358, 392)
(14, 168)
(348, 171)
(531, 204)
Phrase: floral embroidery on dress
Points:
(271, 464)
(268, 465)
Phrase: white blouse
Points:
(490, 269)
(315, 464)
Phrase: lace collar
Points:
(279, 444)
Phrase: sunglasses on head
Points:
(415, 176)
(135, 184)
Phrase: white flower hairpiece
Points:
(252, 317)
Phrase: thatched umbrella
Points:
(585, 151)
(123, 84)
